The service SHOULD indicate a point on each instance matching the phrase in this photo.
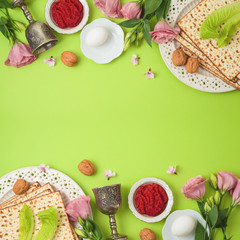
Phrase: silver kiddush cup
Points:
(108, 199)
(38, 34)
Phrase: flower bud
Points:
(127, 41)
(217, 197)
(11, 40)
(213, 181)
(207, 208)
(211, 201)
(133, 37)
(20, 25)
(140, 36)
(81, 221)
(80, 233)
(126, 45)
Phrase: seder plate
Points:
(60, 182)
(202, 80)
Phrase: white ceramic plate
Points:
(111, 49)
(167, 233)
(66, 30)
(60, 182)
(202, 80)
(147, 218)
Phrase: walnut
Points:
(179, 58)
(86, 167)
(192, 65)
(69, 58)
(20, 186)
(147, 234)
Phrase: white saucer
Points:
(66, 30)
(166, 231)
(111, 49)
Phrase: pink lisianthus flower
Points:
(236, 194)
(131, 10)
(109, 8)
(78, 207)
(20, 55)
(226, 181)
(164, 33)
(194, 188)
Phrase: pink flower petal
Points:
(131, 10)
(164, 33)
(79, 207)
(109, 8)
(20, 55)
(226, 181)
(194, 188)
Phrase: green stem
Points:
(224, 228)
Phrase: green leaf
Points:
(151, 6)
(213, 216)
(96, 230)
(167, 6)
(4, 31)
(146, 32)
(200, 233)
(5, 4)
(228, 30)
(88, 226)
(130, 23)
(222, 218)
(163, 9)
(26, 220)
(160, 11)
(3, 21)
(49, 220)
(201, 208)
(211, 25)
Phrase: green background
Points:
(111, 115)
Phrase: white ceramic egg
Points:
(183, 226)
(96, 37)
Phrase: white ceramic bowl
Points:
(66, 30)
(166, 231)
(145, 218)
(111, 49)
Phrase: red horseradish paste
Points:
(150, 199)
(67, 13)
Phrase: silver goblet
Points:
(108, 199)
(38, 34)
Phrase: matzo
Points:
(27, 196)
(205, 62)
(226, 59)
(9, 220)
(15, 197)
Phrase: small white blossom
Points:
(108, 174)
(43, 167)
(49, 61)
